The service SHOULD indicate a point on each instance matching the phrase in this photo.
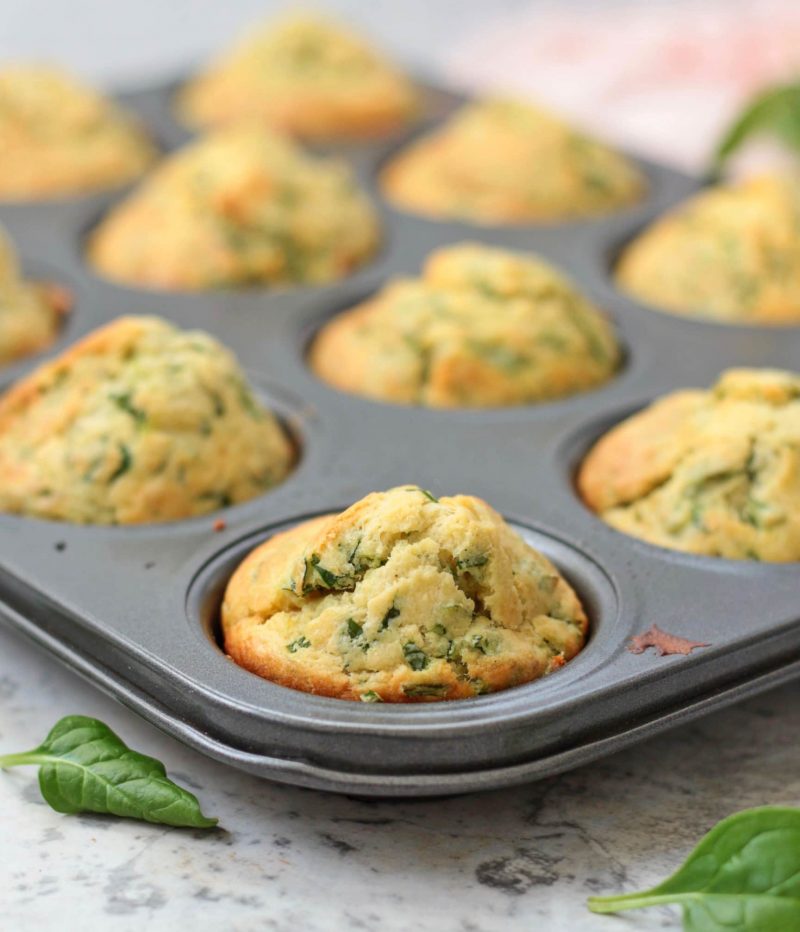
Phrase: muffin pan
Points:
(135, 609)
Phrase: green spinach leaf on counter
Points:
(744, 876)
(85, 767)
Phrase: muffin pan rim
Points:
(535, 434)
(581, 570)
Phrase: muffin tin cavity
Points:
(594, 588)
(145, 626)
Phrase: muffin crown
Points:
(731, 253)
(481, 327)
(711, 472)
(307, 48)
(138, 422)
(241, 206)
(59, 136)
(402, 596)
(505, 161)
(304, 75)
(47, 102)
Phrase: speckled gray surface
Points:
(291, 859)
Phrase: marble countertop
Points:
(293, 859)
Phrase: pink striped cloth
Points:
(660, 78)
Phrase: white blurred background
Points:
(119, 40)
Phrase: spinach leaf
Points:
(467, 563)
(123, 401)
(415, 656)
(774, 112)
(125, 461)
(429, 495)
(329, 578)
(370, 696)
(479, 642)
(426, 690)
(744, 876)
(354, 629)
(297, 643)
(391, 613)
(85, 767)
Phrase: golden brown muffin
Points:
(30, 313)
(138, 422)
(403, 597)
(503, 161)
(711, 472)
(242, 206)
(481, 327)
(305, 76)
(731, 253)
(60, 137)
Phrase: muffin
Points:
(731, 253)
(307, 77)
(481, 327)
(403, 597)
(30, 313)
(59, 137)
(241, 207)
(138, 422)
(503, 161)
(709, 472)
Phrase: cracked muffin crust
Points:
(709, 472)
(138, 422)
(504, 161)
(402, 597)
(30, 312)
(731, 253)
(306, 76)
(242, 206)
(481, 327)
(59, 137)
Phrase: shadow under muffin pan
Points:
(135, 610)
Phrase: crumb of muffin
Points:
(403, 597)
(306, 76)
(731, 254)
(59, 137)
(712, 472)
(30, 312)
(242, 206)
(480, 327)
(502, 161)
(137, 422)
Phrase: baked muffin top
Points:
(505, 161)
(138, 422)
(30, 313)
(304, 75)
(710, 472)
(481, 327)
(731, 253)
(60, 137)
(242, 206)
(402, 597)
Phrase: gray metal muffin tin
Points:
(134, 609)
